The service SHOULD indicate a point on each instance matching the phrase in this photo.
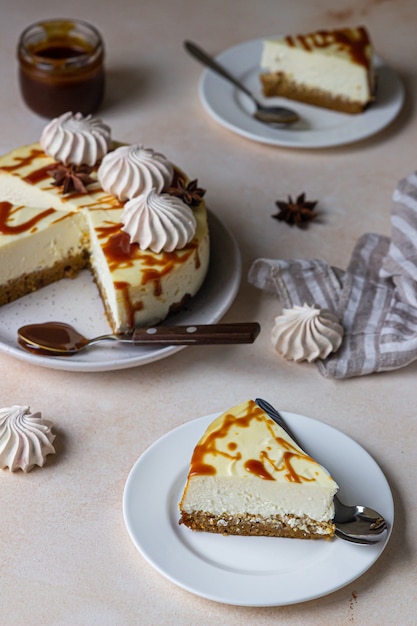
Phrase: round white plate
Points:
(250, 571)
(77, 302)
(318, 128)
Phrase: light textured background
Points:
(65, 556)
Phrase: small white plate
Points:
(318, 127)
(250, 571)
(77, 302)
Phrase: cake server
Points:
(356, 523)
(265, 114)
(60, 339)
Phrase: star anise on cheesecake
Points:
(296, 212)
(189, 193)
(72, 177)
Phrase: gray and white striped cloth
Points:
(375, 299)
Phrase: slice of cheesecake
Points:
(327, 68)
(248, 477)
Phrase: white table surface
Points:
(65, 555)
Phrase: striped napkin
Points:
(375, 299)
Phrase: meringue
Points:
(158, 222)
(130, 171)
(306, 333)
(25, 438)
(74, 139)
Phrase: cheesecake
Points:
(248, 477)
(76, 200)
(328, 68)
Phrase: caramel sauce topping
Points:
(24, 161)
(354, 42)
(121, 253)
(6, 212)
(258, 467)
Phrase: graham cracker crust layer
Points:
(278, 84)
(27, 283)
(247, 524)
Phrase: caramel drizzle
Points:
(257, 467)
(21, 162)
(37, 176)
(6, 211)
(121, 253)
(355, 42)
(130, 308)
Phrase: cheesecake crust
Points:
(278, 84)
(289, 526)
(30, 282)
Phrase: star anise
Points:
(191, 194)
(298, 212)
(72, 177)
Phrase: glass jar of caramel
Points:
(61, 67)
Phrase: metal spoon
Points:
(60, 339)
(265, 114)
(358, 524)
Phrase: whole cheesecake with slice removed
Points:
(328, 68)
(248, 477)
(79, 200)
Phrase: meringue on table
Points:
(306, 333)
(25, 438)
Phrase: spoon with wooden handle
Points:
(60, 339)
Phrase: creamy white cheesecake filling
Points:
(332, 72)
(54, 237)
(234, 496)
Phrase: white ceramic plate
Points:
(77, 302)
(250, 571)
(318, 128)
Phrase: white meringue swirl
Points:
(306, 333)
(75, 139)
(158, 222)
(25, 438)
(130, 171)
